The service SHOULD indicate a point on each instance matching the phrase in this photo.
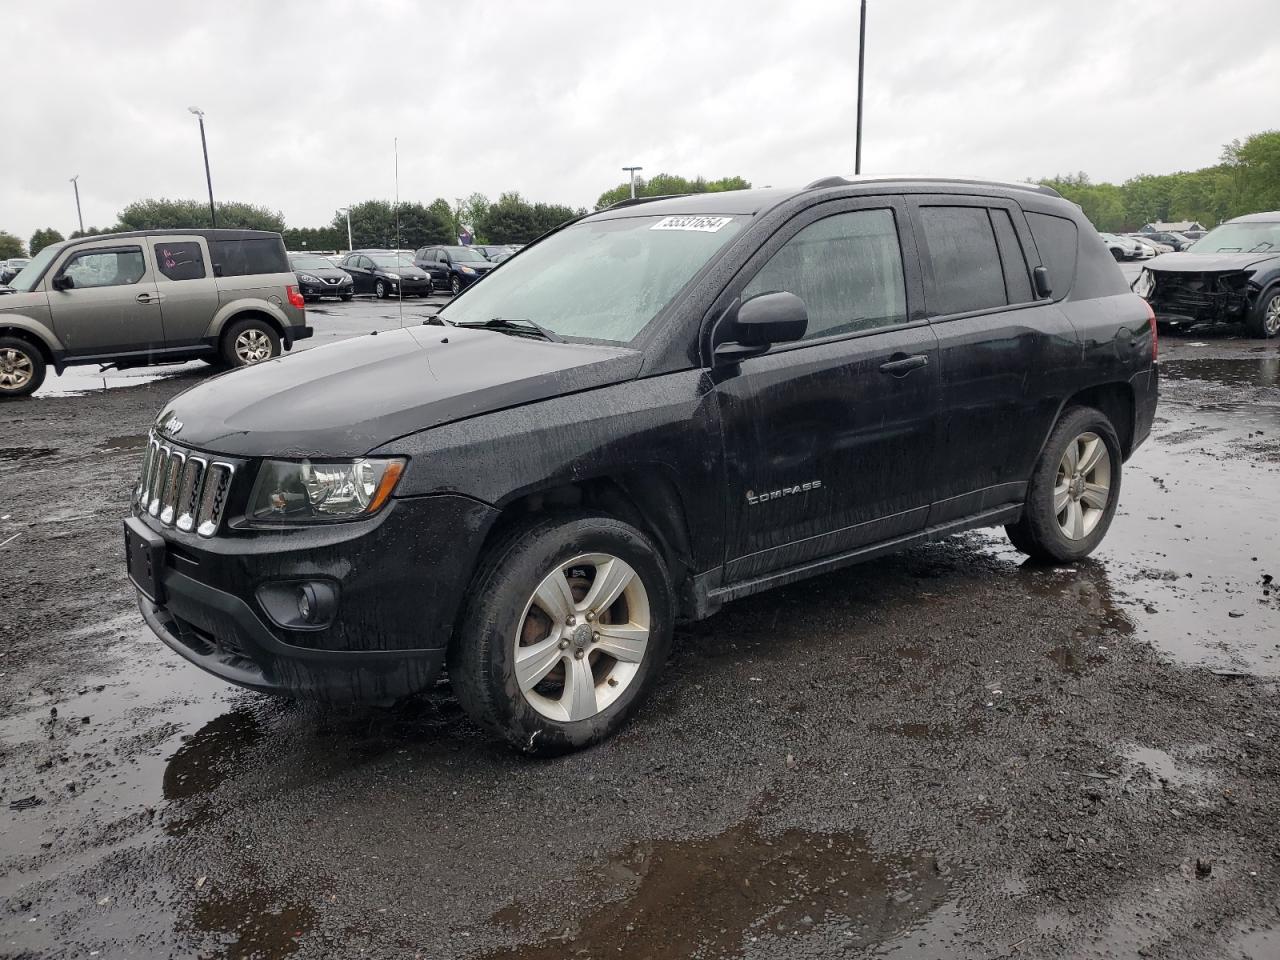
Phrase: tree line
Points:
(1245, 180)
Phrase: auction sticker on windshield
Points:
(699, 224)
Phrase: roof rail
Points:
(838, 181)
(632, 201)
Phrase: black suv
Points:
(657, 408)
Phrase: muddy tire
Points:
(1264, 320)
(248, 342)
(568, 622)
(22, 368)
(1073, 491)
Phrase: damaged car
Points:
(1231, 275)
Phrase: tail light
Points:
(295, 297)
(1155, 335)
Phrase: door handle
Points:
(148, 298)
(901, 364)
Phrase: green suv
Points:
(156, 296)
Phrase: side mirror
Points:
(758, 324)
(62, 282)
(1044, 289)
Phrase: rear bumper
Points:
(1146, 396)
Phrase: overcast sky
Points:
(552, 97)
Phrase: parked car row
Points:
(394, 273)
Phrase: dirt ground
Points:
(946, 754)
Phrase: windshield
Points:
(597, 280)
(25, 281)
(465, 255)
(1255, 237)
(309, 263)
(398, 260)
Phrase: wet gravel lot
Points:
(948, 753)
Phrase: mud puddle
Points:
(742, 892)
(78, 381)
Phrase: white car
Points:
(1155, 246)
(1122, 248)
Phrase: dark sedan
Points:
(454, 268)
(318, 277)
(386, 275)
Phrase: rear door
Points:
(1002, 351)
(188, 291)
(829, 441)
(112, 306)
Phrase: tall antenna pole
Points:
(862, 58)
(77, 189)
(395, 145)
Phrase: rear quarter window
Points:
(1058, 242)
(239, 258)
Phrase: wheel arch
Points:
(1116, 401)
(243, 309)
(51, 353)
(251, 313)
(644, 497)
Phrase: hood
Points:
(344, 399)
(477, 267)
(412, 273)
(322, 272)
(1192, 262)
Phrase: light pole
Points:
(632, 171)
(347, 211)
(76, 187)
(204, 147)
(862, 57)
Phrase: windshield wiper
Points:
(516, 325)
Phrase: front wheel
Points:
(380, 290)
(455, 286)
(1074, 490)
(346, 297)
(568, 622)
(22, 367)
(1264, 319)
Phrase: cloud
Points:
(303, 100)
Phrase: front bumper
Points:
(399, 578)
(411, 287)
(326, 289)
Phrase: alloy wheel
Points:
(582, 637)
(16, 369)
(1082, 488)
(1271, 318)
(253, 346)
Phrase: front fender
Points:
(40, 332)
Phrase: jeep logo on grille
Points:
(170, 427)
(754, 498)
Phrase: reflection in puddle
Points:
(1162, 768)
(25, 454)
(1236, 371)
(209, 755)
(253, 925)
(713, 897)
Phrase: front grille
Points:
(182, 488)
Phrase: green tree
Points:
(316, 238)
(374, 223)
(163, 214)
(11, 246)
(1254, 169)
(668, 184)
(514, 219)
(474, 209)
(43, 238)
(92, 232)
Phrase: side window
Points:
(239, 258)
(847, 269)
(105, 268)
(1057, 242)
(180, 261)
(1017, 281)
(966, 263)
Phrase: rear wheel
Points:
(248, 342)
(1264, 320)
(568, 622)
(22, 367)
(1073, 491)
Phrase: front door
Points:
(104, 301)
(829, 441)
(188, 291)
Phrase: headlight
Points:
(308, 491)
(308, 278)
(391, 276)
(466, 269)
(1145, 283)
